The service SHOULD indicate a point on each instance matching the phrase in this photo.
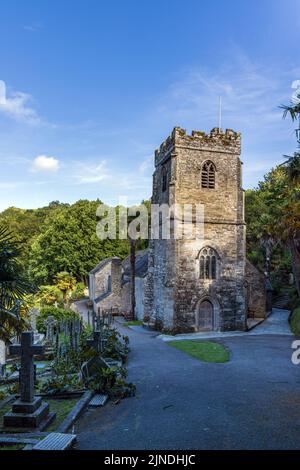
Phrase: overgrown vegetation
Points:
(295, 322)
(60, 238)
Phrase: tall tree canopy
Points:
(69, 243)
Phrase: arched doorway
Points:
(205, 316)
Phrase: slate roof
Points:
(141, 264)
(103, 263)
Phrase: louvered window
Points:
(208, 175)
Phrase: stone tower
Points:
(198, 284)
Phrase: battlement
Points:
(217, 140)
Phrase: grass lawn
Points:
(207, 351)
(295, 322)
(12, 447)
(134, 323)
(61, 407)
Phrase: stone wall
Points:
(256, 292)
(139, 297)
(173, 288)
(106, 284)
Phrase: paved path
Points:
(276, 324)
(251, 402)
(81, 307)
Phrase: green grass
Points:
(207, 351)
(295, 322)
(12, 447)
(134, 323)
(60, 406)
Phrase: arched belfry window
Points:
(208, 263)
(208, 175)
(164, 179)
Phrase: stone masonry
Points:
(197, 284)
(176, 297)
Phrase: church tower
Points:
(199, 284)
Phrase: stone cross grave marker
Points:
(28, 411)
(50, 324)
(26, 350)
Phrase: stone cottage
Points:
(110, 284)
(199, 284)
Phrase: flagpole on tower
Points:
(220, 112)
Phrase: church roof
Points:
(103, 263)
(141, 264)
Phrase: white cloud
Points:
(33, 28)
(147, 165)
(16, 105)
(89, 174)
(46, 164)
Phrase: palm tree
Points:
(13, 286)
(292, 219)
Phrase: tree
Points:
(291, 219)
(69, 243)
(65, 282)
(13, 286)
(26, 225)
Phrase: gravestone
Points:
(56, 441)
(2, 358)
(34, 312)
(28, 411)
(92, 367)
(50, 323)
(96, 342)
(98, 400)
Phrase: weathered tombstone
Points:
(50, 323)
(2, 359)
(96, 341)
(33, 316)
(92, 366)
(28, 411)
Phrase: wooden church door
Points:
(206, 316)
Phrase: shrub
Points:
(295, 322)
(116, 346)
(78, 291)
(60, 384)
(112, 382)
(48, 295)
(60, 314)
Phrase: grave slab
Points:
(56, 441)
(98, 400)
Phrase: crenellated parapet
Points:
(217, 140)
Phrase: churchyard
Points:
(53, 372)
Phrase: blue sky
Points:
(90, 88)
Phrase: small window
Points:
(208, 264)
(208, 175)
(164, 179)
